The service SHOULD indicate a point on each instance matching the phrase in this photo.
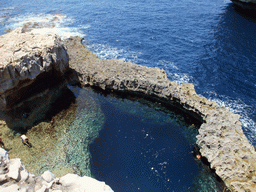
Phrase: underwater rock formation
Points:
(26, 58)
(14, 177)
(221, 139)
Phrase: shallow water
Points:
(60, 133)
(130, 143)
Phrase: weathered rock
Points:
(11, 188)
(221, 139)
(48, 176)
(17, 178)
(24, 58)
(75, 183)
(14, 167)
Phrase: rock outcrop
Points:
(246, 5)
(221, 139)
(26, 58)
(15, 178)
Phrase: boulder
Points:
(14, 166)
(26, 58)
(75, 183)
(11, 188)
(48, 176)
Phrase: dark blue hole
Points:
(136, 152)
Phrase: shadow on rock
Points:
(39, 108)
(246, 10)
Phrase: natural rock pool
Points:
(130, 143)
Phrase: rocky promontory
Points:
(26, 60)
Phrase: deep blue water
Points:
(140, 152)
(207, 43)
(143, 146)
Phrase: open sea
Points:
(207, 43)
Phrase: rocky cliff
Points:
(221, 139)
(26, 60)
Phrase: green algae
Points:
(59, 144)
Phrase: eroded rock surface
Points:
(25, 58)
(221, 139)
(15, 178)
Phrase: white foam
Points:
(163, 64)
(48, 23)
(7, 8)
(174, 73)
(63, 32)
(108, 52)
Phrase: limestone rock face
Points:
(23, 58)
(15, 178)
(221, 139)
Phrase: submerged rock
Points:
(26, 58)
(221, 139)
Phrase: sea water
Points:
(143, 146)
(207, 43)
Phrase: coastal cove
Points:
(174, 165)
(122, 95)
(220, 138)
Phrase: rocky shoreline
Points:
(14, 177)
(221, 139)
